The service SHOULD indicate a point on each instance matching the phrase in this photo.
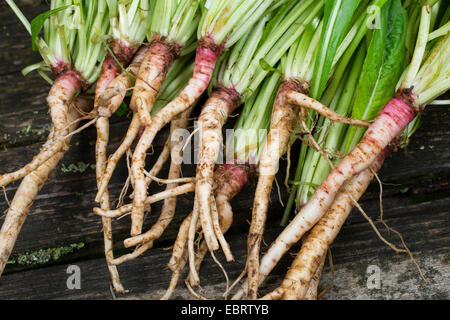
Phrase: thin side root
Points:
(131, 256)
(183, 189)
(169, 181)
(305, 101)
(397, 232)
(218, 231)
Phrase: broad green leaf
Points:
(38, 23)
(267, 67)
(338, 15)
(122, 110)
(382, 67)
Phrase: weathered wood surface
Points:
(416, 202)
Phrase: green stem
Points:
(281, 38)
(19, 15)
(439, 32)
(419, 51)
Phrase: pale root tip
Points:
(98, 211)
(230, 259)
(127, 243)
(104, 112)
(97, 197)
(135, 230)
(2, 183)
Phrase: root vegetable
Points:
(203, 68)
(169, 206)
(319, 240)
(230, 180)
(68, 62)
(245, 58)
(214, 114)
(27, 192)
(100, 154)
(282, 124)
(59, 98)
(321, 53)
(221, 25)
(152, 73)
(110, 99)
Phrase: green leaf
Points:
(248, 93)
(382, 68)
(267, 67)
(38, 23)
(384, 63)
(337, 18)
(122, 110)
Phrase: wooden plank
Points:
(62, 213)
(417, 205)
(15, 42)
(147, 277)
(356, 243)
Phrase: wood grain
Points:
(416, 202)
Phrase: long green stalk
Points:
(175, 20)
(255, 55)
(247, 139)
(310, 164)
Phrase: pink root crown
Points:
(231, 178)
(60, 67)
(239, 173)
(170, 46)
(110, 70)
(206, 58)
(122, 51)
(401, 112)
(231, 97)
(209, 48)
(73, 80)
(296, 85)
(291, 84)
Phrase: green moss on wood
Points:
(79, 167)
(43, 256)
